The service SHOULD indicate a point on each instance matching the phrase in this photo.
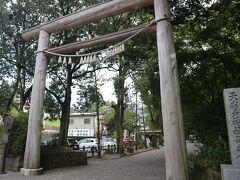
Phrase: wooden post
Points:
(174, 140)
(33, 145)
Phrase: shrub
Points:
(18, 134)
(130, 149)
(56, 157)
(212, 155)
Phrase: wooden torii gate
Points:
(174, 140)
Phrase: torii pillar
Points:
(174, 140)
(31, 164)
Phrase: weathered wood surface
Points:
(32, 151)
(174, 140)
(88, 15)
(101, 40)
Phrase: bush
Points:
(130, 149)
(18, 135)
(56, 157)
(212, 155)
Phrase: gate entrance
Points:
(175, 146)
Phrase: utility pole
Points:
(136, 127)
(174, 140)
(144, 128)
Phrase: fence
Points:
(104, 149)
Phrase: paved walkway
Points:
(142, 166)
(149, 165)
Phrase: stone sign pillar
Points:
(31, 164)
(8, 125)
(232, 111)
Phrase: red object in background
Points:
(128, 142)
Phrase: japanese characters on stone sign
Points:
(232, 108)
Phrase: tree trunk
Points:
(121, 113)
(24, 97)
(63, 132)
(13, 93)
(120, 107)
(119, 128)
(97, 111)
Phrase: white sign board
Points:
(81, 132)
(232, 110)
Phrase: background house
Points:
(83, 125)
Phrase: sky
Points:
(107, 89)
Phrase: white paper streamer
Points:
(70, 60)
(64, 60)
(60, 60)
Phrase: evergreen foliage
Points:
(18, 134)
